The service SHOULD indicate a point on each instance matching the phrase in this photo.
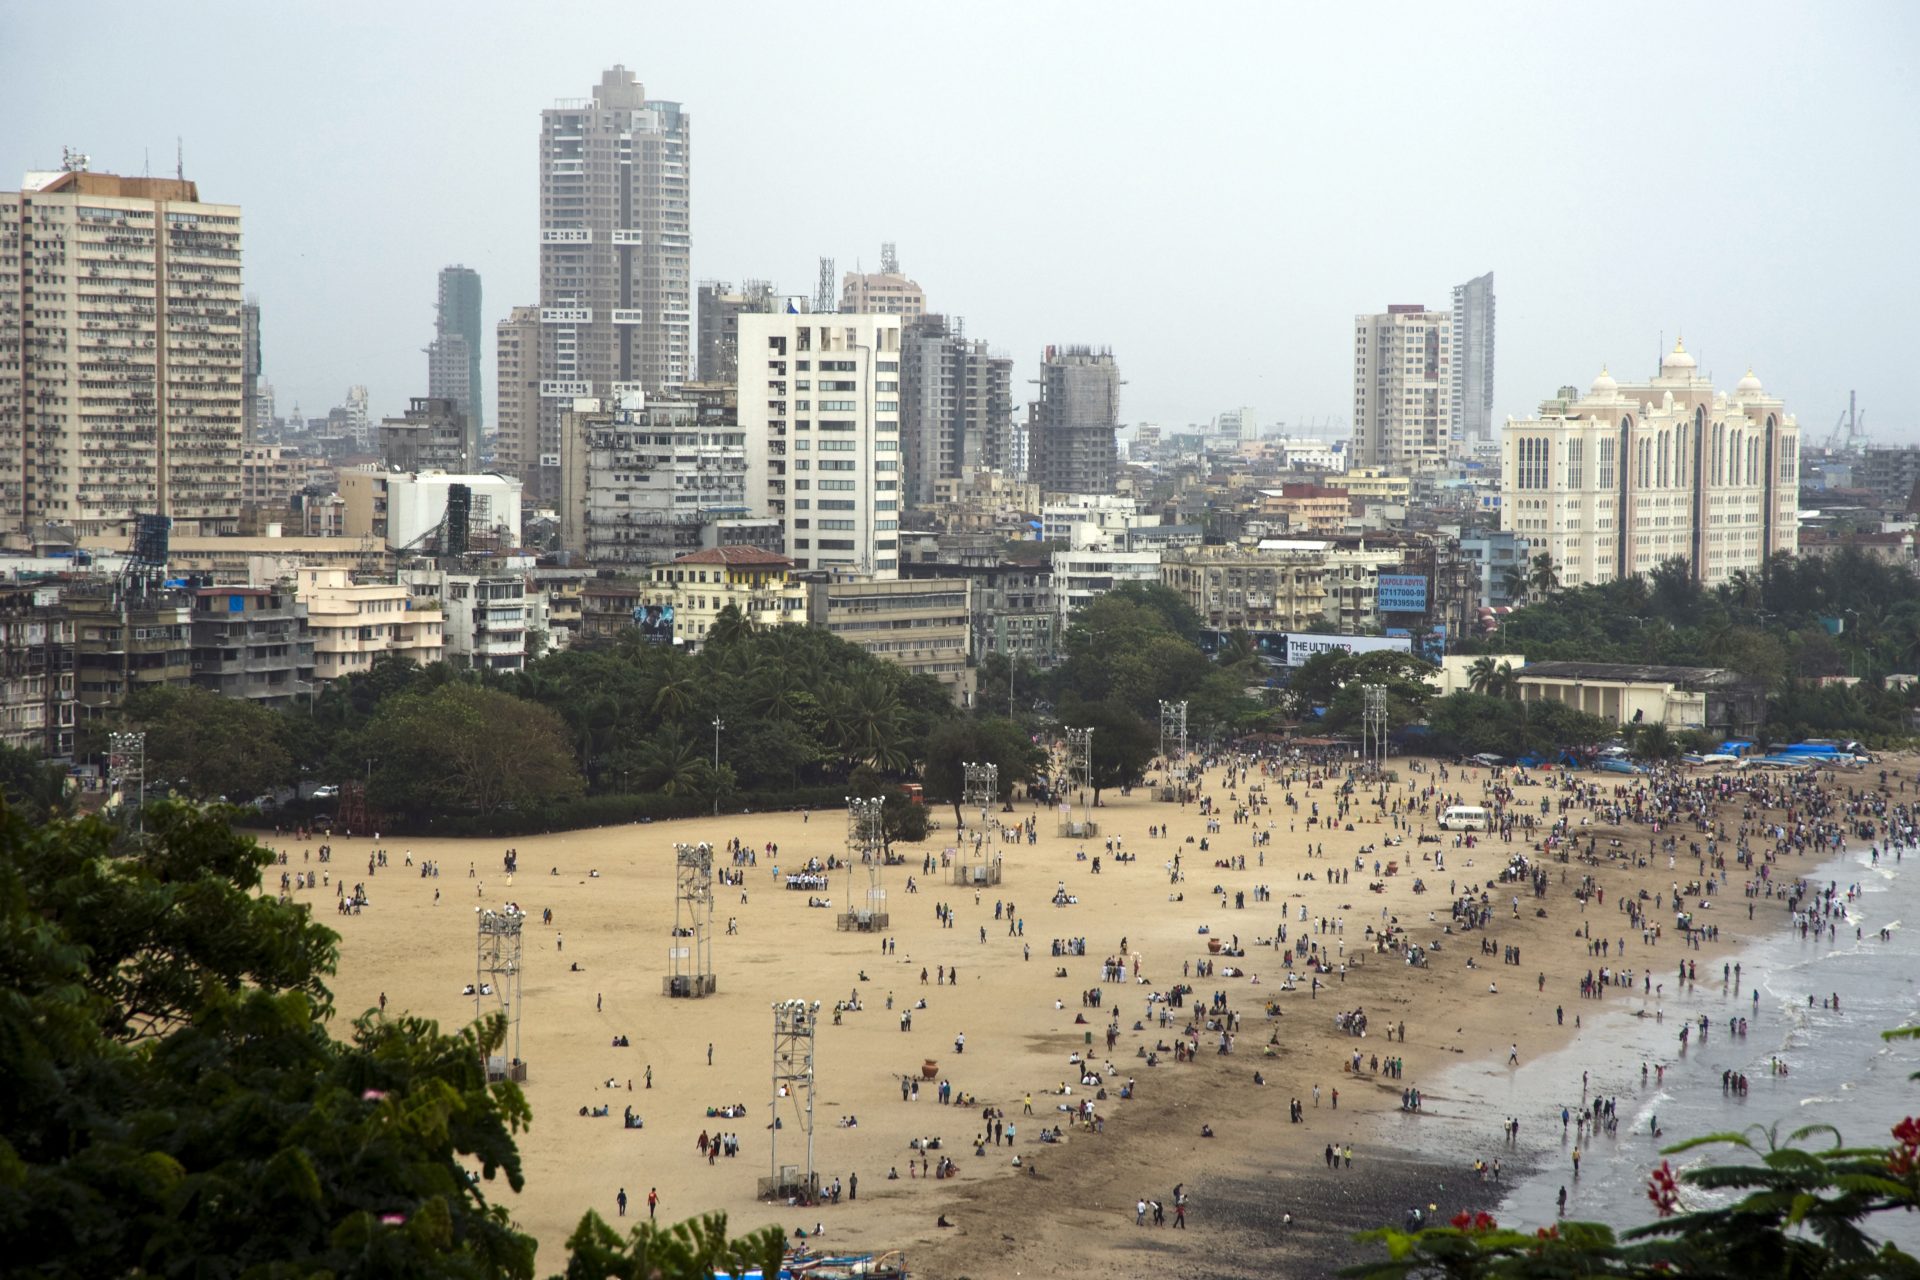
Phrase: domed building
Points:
(1632, 474)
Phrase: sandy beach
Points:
(415, 943)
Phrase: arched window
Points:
(1663, 459)
(1753, 460)
(1719, 453)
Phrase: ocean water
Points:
(1839, 1071)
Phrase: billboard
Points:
(655, 622)
(1301, 645)
(1402, 593)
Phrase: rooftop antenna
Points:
(889, 260)
(179, 158)
(823, 293)
(72, 161)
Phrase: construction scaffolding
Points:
(793, 1086)
(690, 957)
(496, 985)
(978, 863)
(1078, 785)
(866, 859)
(1173, 746)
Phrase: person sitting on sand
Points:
(1206, 1131)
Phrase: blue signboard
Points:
(1402, 593)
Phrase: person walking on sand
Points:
(653, 1201)
(621, 1200)
(1513, 1055)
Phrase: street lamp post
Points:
(718, 725)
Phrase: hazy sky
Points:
(1211, 190)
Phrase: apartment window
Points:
(1604, 464)
(1530, 462)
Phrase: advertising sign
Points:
(1301, 646)
(1402, 593)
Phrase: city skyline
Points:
(1759, 223)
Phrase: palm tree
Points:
(673, 766)
(730, 625)
(1516, 583)
(1481, 674)
(1543, 579)
(1238, 648)
(867, 715)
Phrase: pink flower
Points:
(372, 1095)
(1664, 1190)
(1903, 1159)
(393, 1219)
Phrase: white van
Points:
(1464, 817)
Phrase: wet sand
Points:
(1079, 1205)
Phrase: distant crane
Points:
(1850, 432)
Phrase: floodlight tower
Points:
(690, 958)
(1173, 732)
(981, 787)
(866, 850)
(127, 768)
(1373, 727)
(496, 983)
(793, 1084)
(1080, 781)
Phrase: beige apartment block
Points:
(516, 445)
(123, 323)
(355, 623)
(924, 625)
(270, 474)
(1616, 481)
(699, 586)
(1402, 388)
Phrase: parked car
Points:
(327, 792)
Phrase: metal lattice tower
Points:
(127, 770)
(496, 984)
(981, 787)
(1373, 726)
(1173, 732)
(826, 296)
(1080, 762)
(793, 1085)
(690, 958)
(866, 850)
(978, 866)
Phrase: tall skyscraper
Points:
(956, 406)
(123, 320)
(822, 436)
(1070, 439)
(516, 383)
(1402, 387)
(1629, 475)
(616, 300)
(453, 358)
(1473, 360)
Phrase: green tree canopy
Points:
(462, 748)
(987, 741)
(208, 746)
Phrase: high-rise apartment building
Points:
(616, 293)
(640, 485)
(1402, 387)
(1070, 438)
(719, 325)
(956, 406)
(250, 404)
(453, 357)
(516, 383)
(1472, 406)
(820, 412)
(884, 292)
(124, 338)
(1632, 474)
